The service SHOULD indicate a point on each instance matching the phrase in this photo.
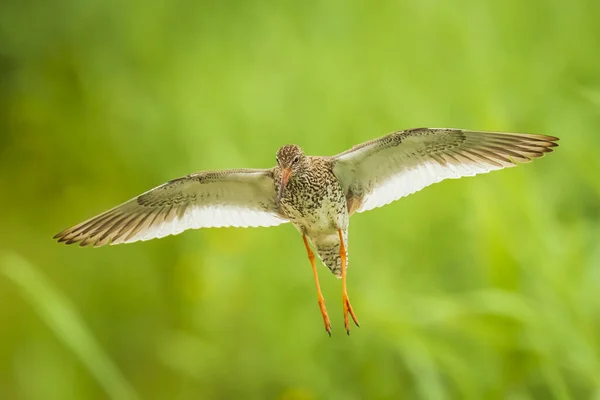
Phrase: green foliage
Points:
(479, 288)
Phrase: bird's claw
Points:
(325, 316)
(348, 310)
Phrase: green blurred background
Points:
(486, 287)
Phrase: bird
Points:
(316, 194)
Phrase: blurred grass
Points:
(479, 288)
(66, 324)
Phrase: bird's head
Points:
(290, 159)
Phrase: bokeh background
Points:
(486, 287)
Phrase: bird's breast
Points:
(314, 207)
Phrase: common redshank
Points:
(316, 194)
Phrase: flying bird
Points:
(318, 195)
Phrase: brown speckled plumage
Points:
(316, 194)
(315, 203)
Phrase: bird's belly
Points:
(323, 216)
(319, 221)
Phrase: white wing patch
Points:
(206, 217)
(414, 179)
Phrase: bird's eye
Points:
(296, 159)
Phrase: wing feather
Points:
(241, 198)
(380, 171)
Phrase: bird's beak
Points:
(285, 176)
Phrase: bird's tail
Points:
(328, 249)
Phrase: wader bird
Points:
(316, 194)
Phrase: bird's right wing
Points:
(241, 198)
(378, 172)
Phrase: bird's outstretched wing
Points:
(241, 198)
(380, 171)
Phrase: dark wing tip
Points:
(77, 234)
(67, 237)
(551, 138)
(64, 236)
(83, 241)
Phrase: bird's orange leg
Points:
(311, 257)
(345, 299)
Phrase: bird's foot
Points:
(325, 316)
(348, 310)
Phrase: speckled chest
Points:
(315, 202)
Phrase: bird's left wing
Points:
(242, 198)
(378, 172)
